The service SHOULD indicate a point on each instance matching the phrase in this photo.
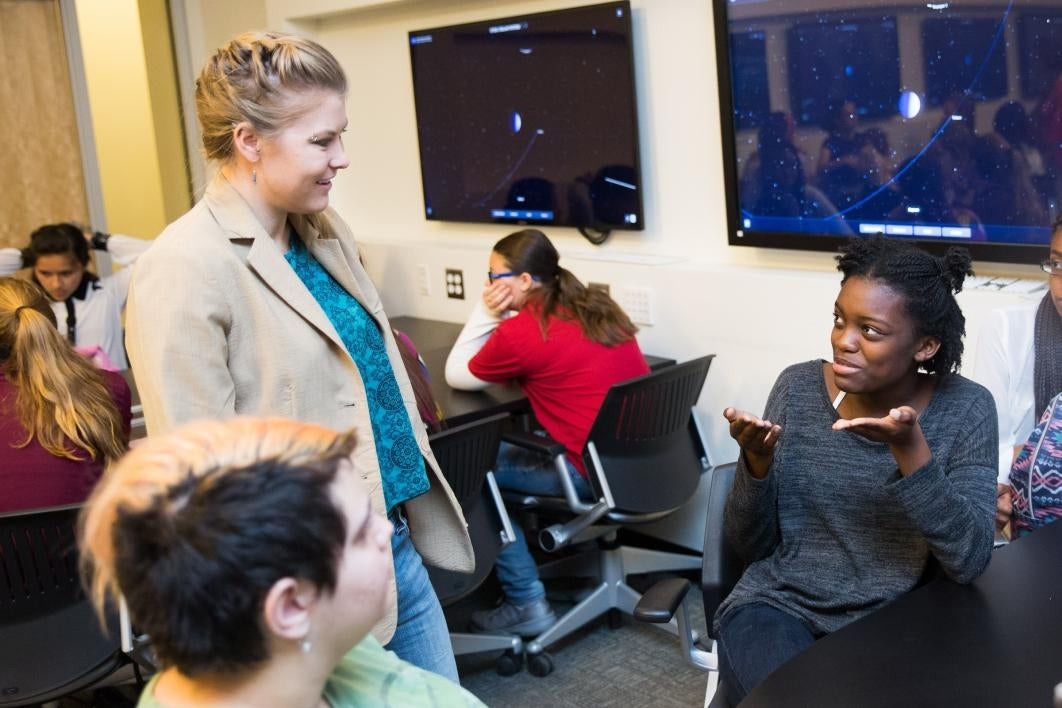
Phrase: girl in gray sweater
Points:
(865, 472)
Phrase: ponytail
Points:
(598, 315)
(60, 395)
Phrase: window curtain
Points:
(41, 179)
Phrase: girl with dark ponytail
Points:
(566, 346)
(865, 472)
(62, 420)
(561, 293)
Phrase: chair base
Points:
(612, 566)
(588, 564)
(464, 643)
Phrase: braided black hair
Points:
(1047, 345)
(927, 283)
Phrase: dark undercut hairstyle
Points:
(927, 283)
(205, 570)
(196, 527)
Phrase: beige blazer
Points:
(218, 325)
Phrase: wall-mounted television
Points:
(934, 121)
(530, 119)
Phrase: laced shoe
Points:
(525, 620)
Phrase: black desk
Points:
(997, 642)
(433, 340)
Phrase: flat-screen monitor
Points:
(530, 119)
(934, 121)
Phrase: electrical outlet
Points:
(455, 284)
(638, 304)
(423, 280)
(603, 287)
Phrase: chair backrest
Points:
(466, 454)
(51, 642)
(643, 438)
(721, 567)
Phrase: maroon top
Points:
(30, 476)
(565, 375)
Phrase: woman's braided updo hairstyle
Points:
(259, 77)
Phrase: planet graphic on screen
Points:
(910, 104)
(515, 122)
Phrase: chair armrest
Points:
(660, 602)
(508, 536)
(542, 444)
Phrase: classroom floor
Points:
(635, 665)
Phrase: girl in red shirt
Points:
(566, 345)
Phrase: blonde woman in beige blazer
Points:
(221, 324)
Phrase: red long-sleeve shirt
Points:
(564, 374)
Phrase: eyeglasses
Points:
(1051, 266)
(495, 276)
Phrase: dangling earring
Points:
(306, 646)
(254, 176)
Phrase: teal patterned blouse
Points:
(401, 464)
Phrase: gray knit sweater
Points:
(834, 531)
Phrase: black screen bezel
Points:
(796, 241)
(636, 137)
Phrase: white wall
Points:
(757, 309)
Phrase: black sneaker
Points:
(526, 620)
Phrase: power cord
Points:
(595, 236)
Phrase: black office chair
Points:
(466, 454)
(51, 642)
(644, 462)
(720, 571)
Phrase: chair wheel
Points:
(539, 664)
(509, 663)
(615, 619)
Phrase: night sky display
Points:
(530, 119)
(932, 120)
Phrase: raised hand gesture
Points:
(900, 429)
(896, 427)
(756, 437)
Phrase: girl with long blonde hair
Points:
(61, 419)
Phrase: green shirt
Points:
(369, 675)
